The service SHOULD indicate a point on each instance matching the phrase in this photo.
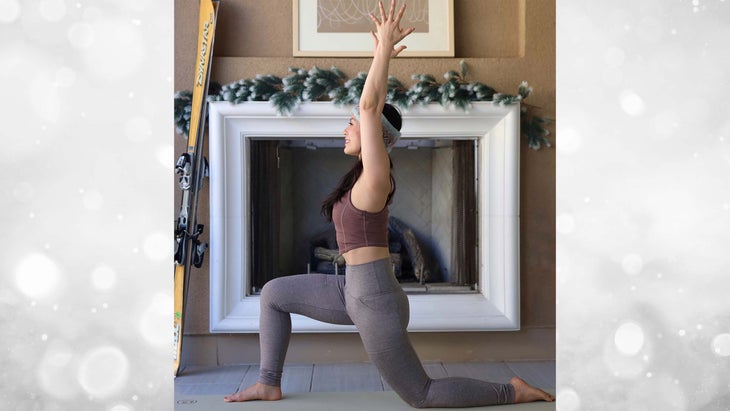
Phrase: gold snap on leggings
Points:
(368, 296)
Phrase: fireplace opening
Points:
(433, 217)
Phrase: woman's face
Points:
(352, 137)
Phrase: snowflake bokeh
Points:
(85, 295)
(642, 228)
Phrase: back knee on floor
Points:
(416, 399)
(416, 402)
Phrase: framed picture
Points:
(341, 28)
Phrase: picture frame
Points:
(341, 28)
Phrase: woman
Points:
(368, 296)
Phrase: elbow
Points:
(367, 105)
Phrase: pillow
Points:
(327, 254)
(416, 256)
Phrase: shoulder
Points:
(368, 196)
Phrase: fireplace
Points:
(432, 236)
(306, 150)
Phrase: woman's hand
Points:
(389, 33)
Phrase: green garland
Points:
(332, 85)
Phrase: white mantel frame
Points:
(495, 307)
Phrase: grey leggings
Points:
(369, 297)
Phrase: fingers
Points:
(374, 19)
(391, 12)
(400, 13)
(405, 33)
(388, 26)
(397, 51)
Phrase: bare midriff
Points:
(362, 255)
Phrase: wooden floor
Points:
(358, 377)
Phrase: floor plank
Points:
(435, 370)
(297, 378)
(334, 401)
(182, 390)
(230, 374)
(352, 377)
(251, 376)
(206, 380)
(538, 373)
(346, 378)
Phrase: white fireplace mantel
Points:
(495, 307)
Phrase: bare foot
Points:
(257, 391)
(525, 392)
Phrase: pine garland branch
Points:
(533, 127)
(397, 93)
(424, 91)
(354, 88)
(319, 84)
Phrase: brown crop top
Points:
(357, 228)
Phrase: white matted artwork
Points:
(342, 28)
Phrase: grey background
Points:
(87, 159)
(643, 205)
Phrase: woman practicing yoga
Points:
(368, 295)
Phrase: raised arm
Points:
(376, 164)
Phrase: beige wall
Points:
(503, 43)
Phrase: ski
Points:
(192, 168)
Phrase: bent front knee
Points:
(270, 290)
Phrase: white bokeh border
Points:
(86, 296)
(643, 150)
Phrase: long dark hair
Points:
(349, 179)
(345, 185)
